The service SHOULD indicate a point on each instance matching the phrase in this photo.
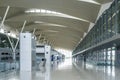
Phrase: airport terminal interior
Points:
(59, 39)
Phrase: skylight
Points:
(55, 25)
(52, 31)
(90, 1)
(49, 24)
(43, 11)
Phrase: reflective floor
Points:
(66, 71)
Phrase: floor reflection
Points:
(66, 70)
(25, 75)
(67, 64)
(98, 72)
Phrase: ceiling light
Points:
(49, 24)
(38, 22)
(30, 11)
(53, 12)
(42, 10)
(51, 31)
(37, 10)
(59, 13)
(90, 1)
(68, 16)
(48, 11)
(55, 25)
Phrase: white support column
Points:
(25, 52)
(5, 15)
(44, 40)
(34, 31)
(48, 62)
(21, 32)
(2, 23)
(39, 37)
(27, 56)
(1, 26)
(23, 26)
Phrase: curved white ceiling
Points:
(61, 22)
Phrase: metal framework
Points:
(106, 27)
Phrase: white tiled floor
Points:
(67, 71)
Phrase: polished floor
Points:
(67, 71)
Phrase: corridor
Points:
(68, 71)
